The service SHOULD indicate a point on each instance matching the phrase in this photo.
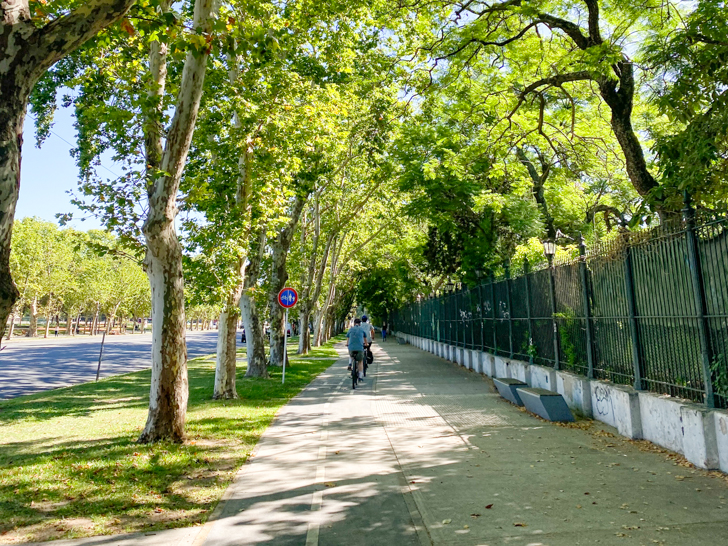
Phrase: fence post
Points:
(480, 314)
(470, 318)
(526, 270)
(632, 309)
(587, 295)
(552, 297)
(696, 273)
(493, 313)
(507, 268)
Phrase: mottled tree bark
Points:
(26, 52)
(255, 341)
(163, 260)
(33, 327)
(226, 365)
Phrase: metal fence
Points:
(649, 309)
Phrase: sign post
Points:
(287, 298)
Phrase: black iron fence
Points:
(649, 309)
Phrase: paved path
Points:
(33, 365)
(427, 453)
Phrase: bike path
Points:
(427, 453)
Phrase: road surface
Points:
(28, 366)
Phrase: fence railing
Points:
(650, 309)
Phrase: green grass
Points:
(70, 466)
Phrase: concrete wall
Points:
(501, 367)
(700, 434)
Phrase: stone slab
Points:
(544, 403)
(507, 387)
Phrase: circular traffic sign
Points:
(287, 297)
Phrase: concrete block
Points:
(543, 378)
(544, 403)
(617, 406)
(507, 389)
(520, 370)
(699, 436)
(501, 367)
(721, 436)
(576, 392)
(661, 420)
(476, 359)
(466, 358)
(488, 364)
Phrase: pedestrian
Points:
(56, 329)
(384, 332)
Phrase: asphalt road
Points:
(28, 366)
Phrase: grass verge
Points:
(70, 465)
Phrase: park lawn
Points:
(70, 466)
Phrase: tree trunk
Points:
(48, 325)
(95, 322)
(225, 368)
(12, 116)
(317, 325)
(279, 276)
(33, 327)
(12, 325)
(304, 334)
(620, 101)
(169, 389)
(254, 335)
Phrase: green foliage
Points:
(690, 69)
(71, 272)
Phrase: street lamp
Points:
(549, 249)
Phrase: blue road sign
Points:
(287, 297)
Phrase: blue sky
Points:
(49, 172)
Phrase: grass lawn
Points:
(70, 467)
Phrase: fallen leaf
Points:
(330, 484)
(474, 516)
(446, 521)
(466, 526)
(489, 506)
(519, 524)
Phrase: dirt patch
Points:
(51, 530)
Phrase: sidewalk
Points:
(427, 453)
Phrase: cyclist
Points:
(356, 338)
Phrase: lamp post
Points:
(549, 250)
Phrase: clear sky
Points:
(47, 173)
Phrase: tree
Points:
(578, 41)
(689, 78)
(30, 43)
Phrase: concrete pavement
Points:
(36, 365)
(427, 453)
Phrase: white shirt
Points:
(368, 329)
